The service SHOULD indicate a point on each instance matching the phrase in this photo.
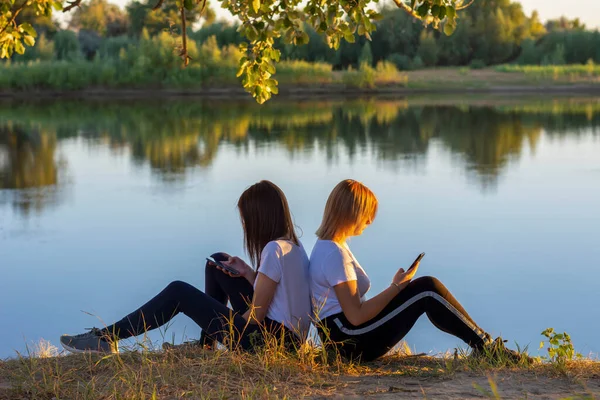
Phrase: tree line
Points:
(490, 32)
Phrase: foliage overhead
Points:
(261, 23)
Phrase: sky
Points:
(587, 11)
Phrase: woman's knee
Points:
(179, 286)
(429, 283)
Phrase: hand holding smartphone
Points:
(416, 262)
(223, 266)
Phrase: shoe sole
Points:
(78, 351)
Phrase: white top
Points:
(330, 265)
(287, 264)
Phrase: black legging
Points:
(210, 313)
(374, 338)
(224, 288)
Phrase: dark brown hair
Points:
(265, 216)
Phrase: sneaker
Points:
(93, 341)
(496, 350)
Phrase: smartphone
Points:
(419, 257)
(225, 267)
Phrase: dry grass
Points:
(191, 373)
(269, 373)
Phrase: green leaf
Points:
(29, 40)
(435, 10)
(270, 68)
(541, 344)
(350, 38)
(256, 5)
(251, 33)
(188, 4)
(19, 48)
(276, 54)
(442, 13)
(450, 12)
(375, 16)
(423, 10)
(449, 28)
(25, 26)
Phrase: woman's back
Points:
(286, 263)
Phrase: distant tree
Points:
(428, 50)
(564, 24)
(397, 32)
(536, 28)
(366, 55)
(455, 49)
(101, 17)
(66, 45)
(165, 18)
(89, 43)
(41, 23)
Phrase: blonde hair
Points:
(348, 204)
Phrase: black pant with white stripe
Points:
(374, 338)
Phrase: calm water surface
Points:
(103, 204)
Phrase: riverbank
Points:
(188, 373)
(499, 80)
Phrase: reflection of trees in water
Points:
(174, 136)
(28, 168)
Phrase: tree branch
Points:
(406, 8)
(72, 5)
(465, 6)
(184, 53)
(157, 6)
(14, 17)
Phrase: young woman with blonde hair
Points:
(367, 329)
(279, 287)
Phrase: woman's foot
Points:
(498, 352)
(93, 341)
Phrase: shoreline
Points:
(298, 92)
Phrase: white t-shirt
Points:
(330, 265)
(287, 264)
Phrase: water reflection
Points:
(174, 136)
(29, 167)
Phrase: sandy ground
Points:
(462, 385)
(510, 385)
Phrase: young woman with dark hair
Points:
(274, 298)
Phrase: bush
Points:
(401, 61)
(364, 77)
(417, 63)
(302, 72)
(477, 64)
(557, 57)
(386, 73)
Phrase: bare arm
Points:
(263, 295)
(358, 312)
